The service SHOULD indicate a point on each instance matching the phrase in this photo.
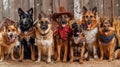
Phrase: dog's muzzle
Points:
(44, 27)
(89, 22)
(106, 30)
(63, 21)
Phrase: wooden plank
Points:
(107, 8)
(37, 7)
(64, 3)
(100, 7)
(25, 4)
(55, 6)
(46, 7)
(11, 9)
(1, 10)
(115, 7)
(70, 5)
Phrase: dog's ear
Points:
(74, 25)
(84, 9)
(20, 11)
(39, 16)
(101, 22)
(111, 21)
(30, 11)
(94, 10)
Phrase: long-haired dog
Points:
(106, 38)
(27, 34)
(44, 38)
(90, 21)
(8, 39)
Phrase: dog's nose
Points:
(89, 21)
(63, 22)
(11, 35)
(106, 29)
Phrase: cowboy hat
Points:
(62, 11)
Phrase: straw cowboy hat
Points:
(62, 11)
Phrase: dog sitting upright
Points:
(62, 32)
(90, 20)
(44, 38)
(8, 39)
(78, 49)
(27, 34)
(106, 38)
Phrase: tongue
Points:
(106, 33)
(89, 25)
(12, 39)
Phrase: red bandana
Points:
(63, 32)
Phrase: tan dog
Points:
(8, 39)
(90, 20)
(44, 38)
(106, 38)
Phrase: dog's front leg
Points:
(58, 52)
(82, 53)
(49, 54)
(21, 53)
(39, 54)
(12, 54)
(65, 51)
(95, 51)
(32, 52)
(71, 52)
(1, 53)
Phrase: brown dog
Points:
(8, 38)
(44, 38)
(62, 32)
(90, 20)
(106, 38)
(78, 49)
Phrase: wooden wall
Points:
(8, 8)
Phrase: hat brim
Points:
(56, 15)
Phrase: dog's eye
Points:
(91, 16)
(8, 30)
(46, 22)
(60, 16)
(65, 16)
(41, 22)
(86, 16)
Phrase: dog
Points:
(78, 49)
(62, 32)
(90, 21)
(44, 38)
(106, 38)
(27, 34)
(8, 39)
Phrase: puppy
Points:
(44, 38)
(78, 48)
(106, 38)
(9, 40)
(90, 21)
(27, 34)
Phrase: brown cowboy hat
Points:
(61, 12)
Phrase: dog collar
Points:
(106, 39)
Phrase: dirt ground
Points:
(91, 63)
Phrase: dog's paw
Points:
(58, 60)
(20, 60)
(71, 60)
(48, 61)
(95, 56)
(38, 60)
(64, 60)
(1, 60)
